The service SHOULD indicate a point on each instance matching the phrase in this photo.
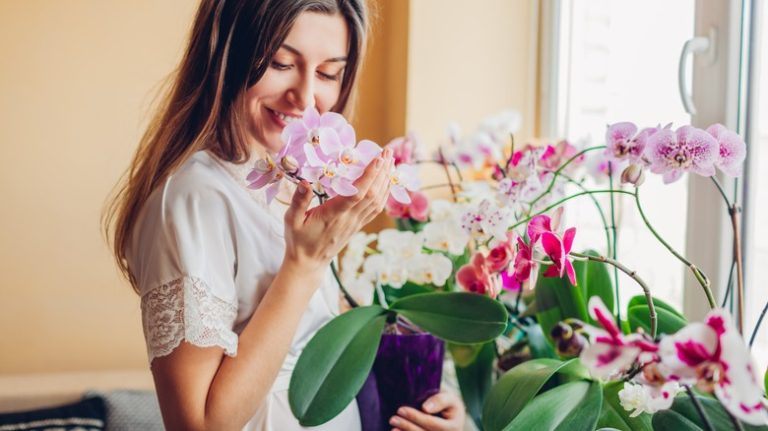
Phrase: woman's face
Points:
(306, 71)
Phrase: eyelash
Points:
(283, 67)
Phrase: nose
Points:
(302, 93)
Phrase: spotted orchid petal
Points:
(732, 152)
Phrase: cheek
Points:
(327, 95)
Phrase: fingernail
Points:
(394, 420)
(401, 411)
(428, 406)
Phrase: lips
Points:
(281, 118)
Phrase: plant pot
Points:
(407, 370)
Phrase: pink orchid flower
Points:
(266, 173)
(733, 150)
(329, 133)
(417, 210)
(714, 356)
(336, 178)
(474, 277)
(404, 148)
(523, 261)
(403, 178)
(610, 353)
(688, 149)
(501, 255)
(556, 155)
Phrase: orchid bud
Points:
(568, 339)
(633, 174)
(289, 164)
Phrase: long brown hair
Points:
(230, 46)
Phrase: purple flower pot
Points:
(407, 371)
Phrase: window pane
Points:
(619, 63)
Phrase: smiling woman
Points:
(232, 286)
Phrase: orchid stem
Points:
(447, 174)
(347, 296)
(566, 199)
(614, 245)
(734, 213)
(633, 274)
(722, 192)
(757, 326)
(599, 210)
(700, 277)
(699, 408)
(560, 169)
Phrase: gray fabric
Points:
(129, 410)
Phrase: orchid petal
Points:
(400, 195)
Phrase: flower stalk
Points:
(632, 274)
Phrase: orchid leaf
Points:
(594, 279)
(716, 414)
(392, 294)
(476, 378)
(458, 317)
(658, 303)
(574, 406)
(557, 300)
(672, 420)
(613, 414)
(538, 343)
(668, 322)
(335, 364)
(516, 388)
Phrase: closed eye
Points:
(281, 66)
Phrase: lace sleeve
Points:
(185, 309)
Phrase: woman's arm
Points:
(200, 388)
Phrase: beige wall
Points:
(76, 81)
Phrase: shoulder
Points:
(199, 180)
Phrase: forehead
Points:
(319, 36)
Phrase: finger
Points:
(443, 400)
(370, 200)
(294, 215)
(406, 425)
(420, 419)
(372, 171)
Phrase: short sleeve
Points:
(183, 257)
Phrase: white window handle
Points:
(699, 44)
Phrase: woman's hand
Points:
(447, 404)
(315, 236)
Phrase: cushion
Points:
(88, 414)
(129, 410)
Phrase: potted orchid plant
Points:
(533, 327)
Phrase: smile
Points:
(287, 118)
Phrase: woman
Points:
(233, 288)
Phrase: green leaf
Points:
(671, 420)
(335, 364)
(668, 322)
(557, 294)
(458, 317)
(658, 303)
(613, 414)
(715, 412)
(573, 406)
(409, 224)
(538, 343)
(392, 294)
(515, 389)
(594, 279)
(475, 380)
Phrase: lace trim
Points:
(185, 309)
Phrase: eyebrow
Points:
(297, 52)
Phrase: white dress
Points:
(204, 251)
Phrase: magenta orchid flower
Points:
(404, 149)
(610, 353)
(266, 173)
(733, 150)
(558, 249)
(523, 261)
(688, 149)
(714, 356)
